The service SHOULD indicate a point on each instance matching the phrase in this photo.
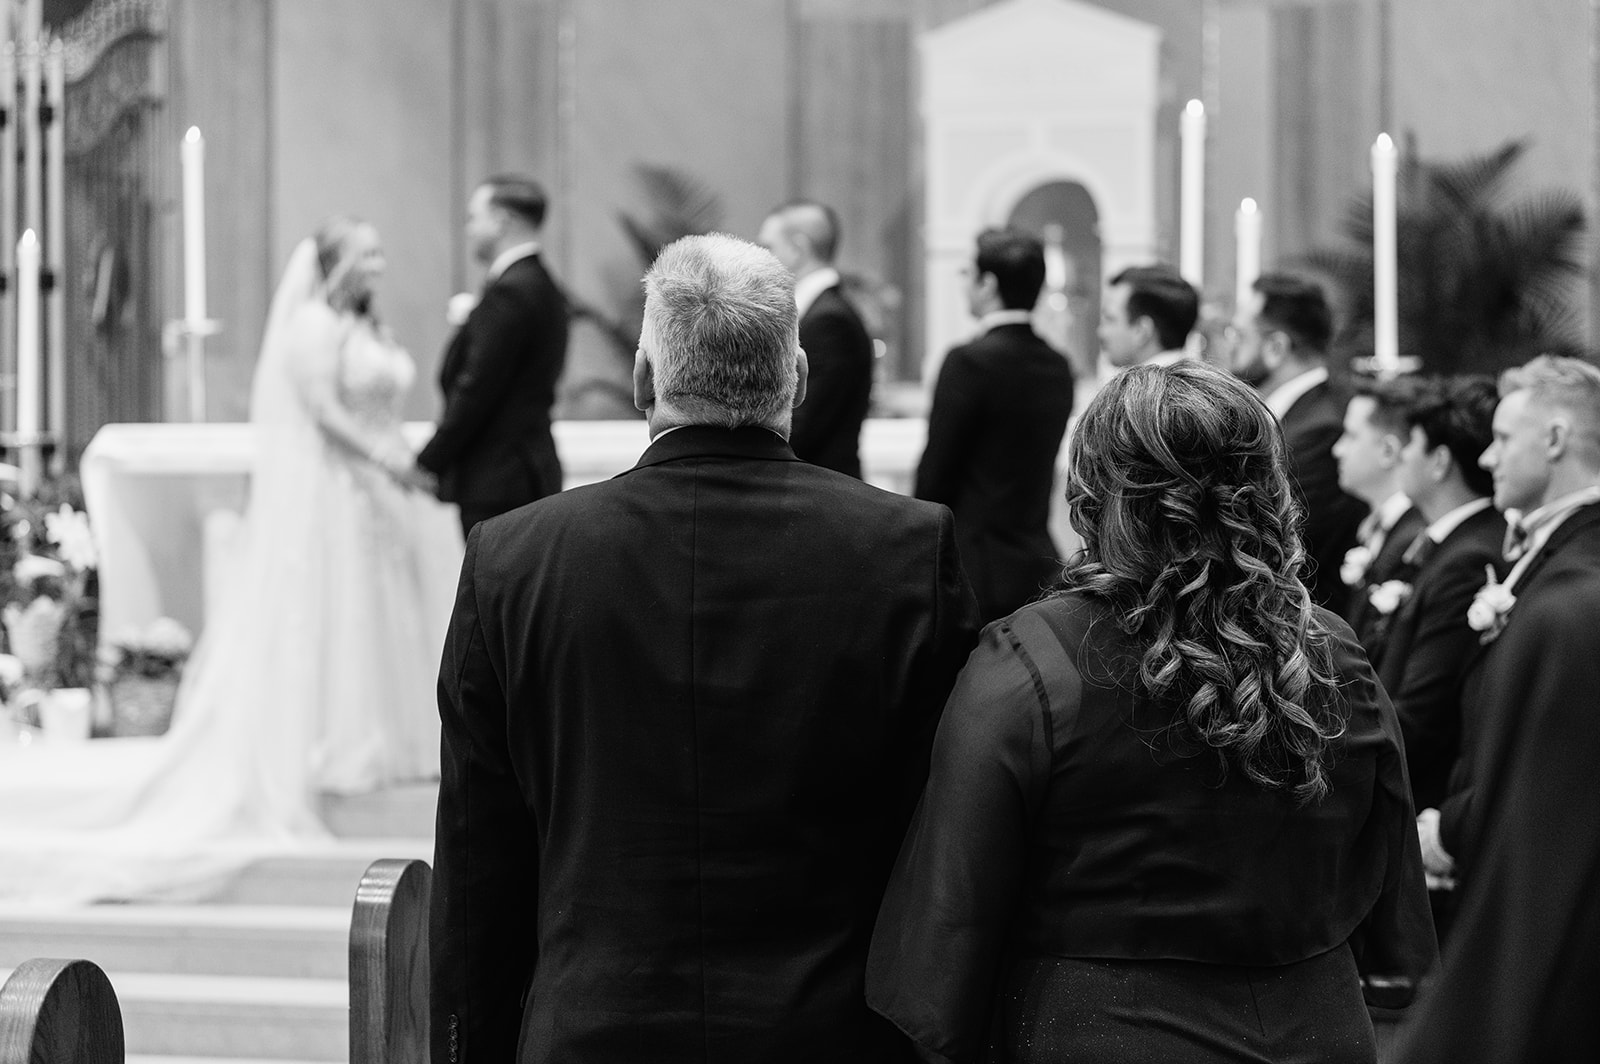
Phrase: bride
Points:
(318, 673)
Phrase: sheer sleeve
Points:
(315, 343)
(943, 925)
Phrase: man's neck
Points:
(1565, 480)
(1450, 495)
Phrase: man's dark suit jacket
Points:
(827, 426)
(687, 714)
(493, 451)
(1310, 429)
(1521, 972)
(1371, 626)
(999, 411)
(1428, 642)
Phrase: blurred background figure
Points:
(1167, 808)
(999, 413)
(827, 426)
(1279, 347)
(1146, 316)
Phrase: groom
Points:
(492, 450)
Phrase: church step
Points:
(283, 941)
(326, 876)
(233, 1016)
(406, 811)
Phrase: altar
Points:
(165, 500)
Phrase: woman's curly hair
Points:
(1177, 484)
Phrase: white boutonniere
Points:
(1490, 608)
(1389, 596)
(1356, 561)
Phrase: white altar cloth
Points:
(160, 497)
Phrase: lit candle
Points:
(1247, 253)
(28, 365)
(194, 228)
(1385, 269)
(1192, 198)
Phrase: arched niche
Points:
(1024, 95)
(1063, 214)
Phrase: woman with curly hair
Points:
(1167, 817)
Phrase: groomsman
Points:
(1420, 659)
(1146, 316)
(827, 426)
(687, 713)
(1368, 453)
(492, 450)
(1521, 972)
(1280, 343)
(1000, 409)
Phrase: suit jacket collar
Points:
(1582, 520)
(706, 441)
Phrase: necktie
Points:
(1516, 543)
(1417, 555)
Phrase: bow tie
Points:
(1516, 542)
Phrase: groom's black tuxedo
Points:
(492, 451)
(687, 713)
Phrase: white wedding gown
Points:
(318, 675)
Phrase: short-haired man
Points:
(804, 235)
(1280, 349)
(492, 450)
(687, 713)
(1428, 638)
(1368, 456)
(1521, 971)
(1146, 316)
(1000, 409)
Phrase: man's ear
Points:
(1559, 437)
(802, 369)
(644, 382)
(1274, 350)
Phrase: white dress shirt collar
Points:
(1542, 523)
(812, 285)
(1167, 358)
(1440, 530)
(503, 261)
(1291, 390)
(996, 318)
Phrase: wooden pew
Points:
(60, 1012)
(389, 964)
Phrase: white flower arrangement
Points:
(1389, 596)
(1357, 560)
(460, 308)
(31, 568)
(1491, 608)
(69, 531)
(156, 649)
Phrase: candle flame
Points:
(1247, 205)
(1383, 143)
(193, 136)
(29, 239)
(1195, 107)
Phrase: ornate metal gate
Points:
(119, 173)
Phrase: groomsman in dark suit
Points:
(1368, 454)
(687, 714)
(827, 426)
(1280, 346)
(1521, 973)
(492, 450)
(1000, 408)
(1429, 640)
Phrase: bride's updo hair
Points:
(337, 254)
(1178, 485)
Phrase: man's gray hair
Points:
(1567, 384)
(721, 332)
